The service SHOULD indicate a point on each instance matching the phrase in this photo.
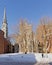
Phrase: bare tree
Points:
(45, 22)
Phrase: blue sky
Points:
(32, 10)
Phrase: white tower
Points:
(5, 25)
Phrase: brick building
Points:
(4, 42)
(4, 45)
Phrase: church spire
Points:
(5, 25)
(4, 19)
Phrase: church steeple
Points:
(5, 25)
(5, 19)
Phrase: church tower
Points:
(5, 25)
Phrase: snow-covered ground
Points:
(30, 57)
(16, 57)
(45, 59)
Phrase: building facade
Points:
(4, 45)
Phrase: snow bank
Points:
(30, 57)
(17, 58)
(47, 57)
